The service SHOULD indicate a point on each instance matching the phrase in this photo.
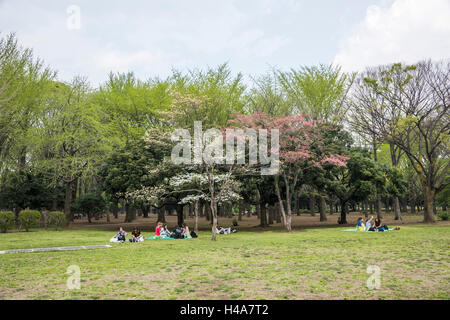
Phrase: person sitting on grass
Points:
(158, 229)
(177, 233)
(360, 224)
(380, 227)
(136, 235)
(185, 231)
(369, 226)
(121, 235)
(165, 231)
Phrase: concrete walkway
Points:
(55, 249)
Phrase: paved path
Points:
(55, 249)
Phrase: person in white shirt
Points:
(368, 224)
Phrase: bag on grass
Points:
(193, 234)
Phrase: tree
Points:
(24, 85)
(130, 107)
(317, 92)
(211, 186)
(355, 182)
(70, 140)
(414, 117)
(301, 146)
(212, 96)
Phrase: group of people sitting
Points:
(179, 232)
(120, 236)
(161, 232)
(362, 225)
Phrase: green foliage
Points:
(6, 220)
(443, 197)
(359, 180)
(444, 216)
(319, 91)
(56, 219)
(211, 96)
(130, 107)
(29, 219)
(89, 204)
(27, 189)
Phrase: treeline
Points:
(75, 148)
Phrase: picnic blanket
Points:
(162, 238)
(115, 240)
(356, 230)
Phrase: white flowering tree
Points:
(211, 186)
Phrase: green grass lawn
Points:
(320, 263)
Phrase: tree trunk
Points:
(312, 205)
(428, 215)
(180, 214)
(107, 217)
(323, 209)
(263, 215)
(145, 211)
(208, 212)
(196, 209)
(54, 205)
(378, 206)
(130, 213)
(343, 213)
(213, 207)
(74, 190)
(397, 212)
(365, 207)
(115, 210)
(67, 202)
(271, 214)
(161, 214)
(277, 213)
(241, 210)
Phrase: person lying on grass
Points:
(136, 235)
(223, 230)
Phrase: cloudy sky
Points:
(92, 38)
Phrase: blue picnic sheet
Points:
(356, 230)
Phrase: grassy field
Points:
(316, 263)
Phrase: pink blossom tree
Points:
(301, 146)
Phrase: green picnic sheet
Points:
(356, 230)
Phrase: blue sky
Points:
(151, 37)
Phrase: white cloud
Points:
(406, 31)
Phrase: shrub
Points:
(6, 220)
(29, 219)
(444, 216)
(56, 219)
